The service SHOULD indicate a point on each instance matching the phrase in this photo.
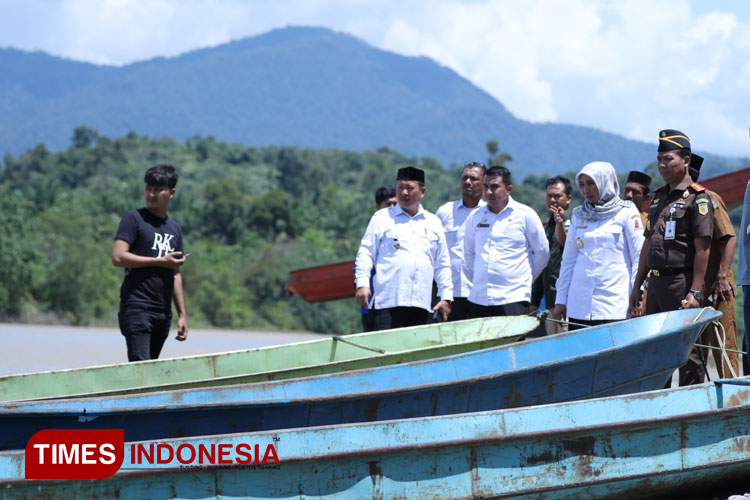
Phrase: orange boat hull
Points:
(319, 283)
(731, 186)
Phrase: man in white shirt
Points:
(406, 246)
(453, 215)
(505, 249)
(385, 196)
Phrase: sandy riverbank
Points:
(31, 348)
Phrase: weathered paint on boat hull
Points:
(636, 446)
(301, 359)
(607, 360)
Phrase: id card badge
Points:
(669, 230)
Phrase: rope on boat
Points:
(564, 322)
(368, 348)
(722, 338)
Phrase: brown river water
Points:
(32, 348)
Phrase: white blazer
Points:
(599, 264)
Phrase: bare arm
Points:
(179, 302)
(123, 257)
(721, 290)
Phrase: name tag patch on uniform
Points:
(483, 225)
(669, 230)
(702, 206)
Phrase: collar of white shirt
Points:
(399, 211)
(512, 204)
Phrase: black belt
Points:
(671, 271)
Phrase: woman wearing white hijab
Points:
(600, 257)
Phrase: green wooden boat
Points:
(315, 357)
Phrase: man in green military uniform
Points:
(559, 196)
(678, 236)
(719, 285)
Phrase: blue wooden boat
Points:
(619, 358)
(646, 445)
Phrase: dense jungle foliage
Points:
(249, 216)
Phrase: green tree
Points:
(496, 157)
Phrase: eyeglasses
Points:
(473, 164)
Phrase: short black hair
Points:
(383, 193)
(559, 179)
(497, 170)
(161, 175)
(474, 164)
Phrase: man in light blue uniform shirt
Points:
(453, 215)
(743, 275)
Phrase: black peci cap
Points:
(410, 174)
(639, 178)
(695, 166)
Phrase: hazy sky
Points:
(631, 67)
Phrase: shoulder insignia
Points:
(634, 216)
(655, 202)
(702, 206)
(697, 187)
(648, 224)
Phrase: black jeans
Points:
(459, 309)
(145, 331)
(512, 309)
(397, 317)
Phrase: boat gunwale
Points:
(567, 432)
(161, 388)
(6, 408)
(212, 358)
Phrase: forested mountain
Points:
(249, 216)
(307, 87)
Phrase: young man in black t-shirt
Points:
(148, 244)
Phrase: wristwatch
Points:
(697, 294)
